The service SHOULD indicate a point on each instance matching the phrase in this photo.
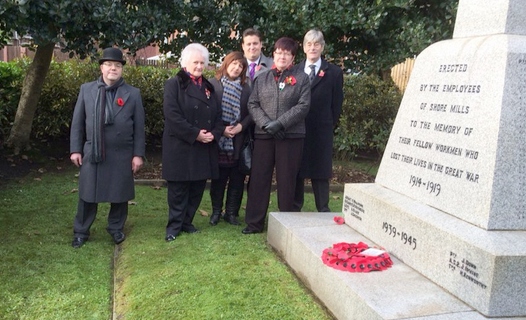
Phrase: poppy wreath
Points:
(355, 257)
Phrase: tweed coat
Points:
(324, 113)
(188, 109)
(265, 63)
(246, 118)
(112, 179)
(289, 105)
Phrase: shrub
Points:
(369, 108)
(59, 95)
(11, 77)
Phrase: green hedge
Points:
(369, 107)
(11, 77)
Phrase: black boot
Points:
(214, 218)
(233, 203)
(217, 191)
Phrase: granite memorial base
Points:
(399, 292)
(485, 269)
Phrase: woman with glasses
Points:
(278, 104)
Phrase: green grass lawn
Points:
(216, 274)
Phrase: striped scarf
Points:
(231, 108)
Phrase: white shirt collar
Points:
(308, 64)
(255, 61)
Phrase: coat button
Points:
(195, 107)
(209, 121)
(196, 122)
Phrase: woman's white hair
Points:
(314, 35)
(194, 48)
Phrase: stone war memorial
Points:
(449, 200)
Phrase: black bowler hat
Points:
(112, 54)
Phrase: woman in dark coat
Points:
(232, 92)
(278, 104)
(192, 127)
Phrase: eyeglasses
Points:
(117, 65)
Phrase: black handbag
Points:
(245, 156)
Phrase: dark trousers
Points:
(87, 211)
(285, 155)
(184, 198)
(320, 189)
(234, 195)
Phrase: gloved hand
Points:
(280, 135)
(272, 127)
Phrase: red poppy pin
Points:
(290, 80)
(321, 73)
(339, 220)
(207, 92)
(258, 67)
(120, 102)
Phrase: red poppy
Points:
(339, 220)
(120, 102)
(290, 80)
(321, 73)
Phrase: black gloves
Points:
(273, 127)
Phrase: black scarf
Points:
(103, 116)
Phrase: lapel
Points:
(262, 66)
(321, 73)
(122, 92)
(193, 90)
(121, 97)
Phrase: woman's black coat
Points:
(188, 109)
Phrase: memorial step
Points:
(399, 292)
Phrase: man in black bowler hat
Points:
(107, 143)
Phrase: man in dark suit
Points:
(256, 60)
(107, 142)
(325, 109)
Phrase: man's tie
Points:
(252, 71)
(312, 73)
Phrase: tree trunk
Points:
(31, 90)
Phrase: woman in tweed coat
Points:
(278, 104)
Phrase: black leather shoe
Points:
(118, 237)
(214, 219)
(170, 238)
(78, 242)
(248, 231)
(191, 230)
(231, 219)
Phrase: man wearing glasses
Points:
(107, 143)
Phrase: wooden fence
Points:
(401, 72)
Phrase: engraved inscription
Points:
(403, 236)
(466, 269)
(353, 207)
(439, 142)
